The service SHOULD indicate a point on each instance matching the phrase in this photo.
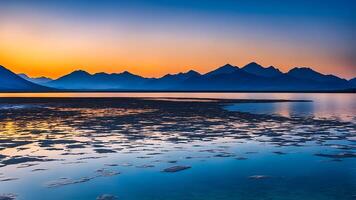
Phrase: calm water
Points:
(75, 149)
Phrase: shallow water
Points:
(83, 148)
(339, 105)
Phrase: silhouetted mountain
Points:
(170, 80)
(252, 77)
(324, 81)
(179, 76)
(224, 78)
(37, 80)
(226, 69)
(10, 81)
(256, 69)
(99, 81)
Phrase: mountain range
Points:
(252, 77)
(11, 82)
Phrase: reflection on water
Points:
(287, 109)
(135, 148)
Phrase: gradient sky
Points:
(152, 38)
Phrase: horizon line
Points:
(126, 71)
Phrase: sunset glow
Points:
(153, 38)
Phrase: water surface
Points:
(81, 148)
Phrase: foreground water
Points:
(101, 148)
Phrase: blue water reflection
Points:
(286, 109)
(75, 149)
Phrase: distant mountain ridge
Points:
(100, 81)
(226, 69)
(11, 82)
(37, 80)
(251, 77)
(258, 70)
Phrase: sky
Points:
(155, 37)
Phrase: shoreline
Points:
(154, 99)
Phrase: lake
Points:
(152, 146)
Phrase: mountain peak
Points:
(181, 75)
(307, 73)
(253, 64)
(256, 69)
(129, 74)
(192, 72)
(126, 73)
(226, 69)
(80, 72)
(227, 65)
(271, 67)
(76, 73)
(300, 71)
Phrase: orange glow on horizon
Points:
(38, 62)
(39, 48)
